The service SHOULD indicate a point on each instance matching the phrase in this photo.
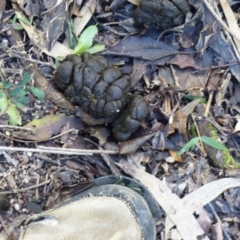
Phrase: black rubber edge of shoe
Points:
(136, 186)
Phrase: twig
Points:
(68, 151)
(72, 150)
(208, 104)
(60, 151)
(16, 127)
(63, 133)
(27, 188)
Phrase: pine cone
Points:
(101, 90)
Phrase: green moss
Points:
(226, 160)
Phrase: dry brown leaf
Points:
(179, 121)
(132, 145)
(86, 12)
(183, 61)
(135, 2)
(175, 156)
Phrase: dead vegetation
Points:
(186, 152)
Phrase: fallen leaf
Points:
(170, 202)
(49, 125)
(101, 133)
(237, 126)
(180, 211)
(132, 145)
(10, 160)
(86, 12)
(144, 48)
(175, 156)
(180, 118)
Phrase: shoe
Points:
(115, 208)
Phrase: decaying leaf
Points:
(180, 118)
(49, 125)
(170, 202)
(143, 48)
(86, 13)
(101, 133)
(180, 211)
(54, 21)
(132, 145)
(237, 126)
(10, 159)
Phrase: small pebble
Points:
(5, 42)
(29, 154)
(17, 207)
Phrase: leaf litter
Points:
(190, 76)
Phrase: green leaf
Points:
(17, 91)
(190, 144)
(86, 40)
(26, 21)
(70, 34)
(17, 103)
(6, 84)
(14, 116)
(191, 97)
(26, 78)
(3, 102)
(20, 102)
(39, 93)
(18, 27)
(213, 143)
(96, 48)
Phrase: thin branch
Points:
(67, 151)
(27, 188)
(72, 150)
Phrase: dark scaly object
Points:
(164, 14)
(101, 90)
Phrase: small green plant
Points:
(15, 97)
(209, 141)
(18, 26)
(85, 41)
